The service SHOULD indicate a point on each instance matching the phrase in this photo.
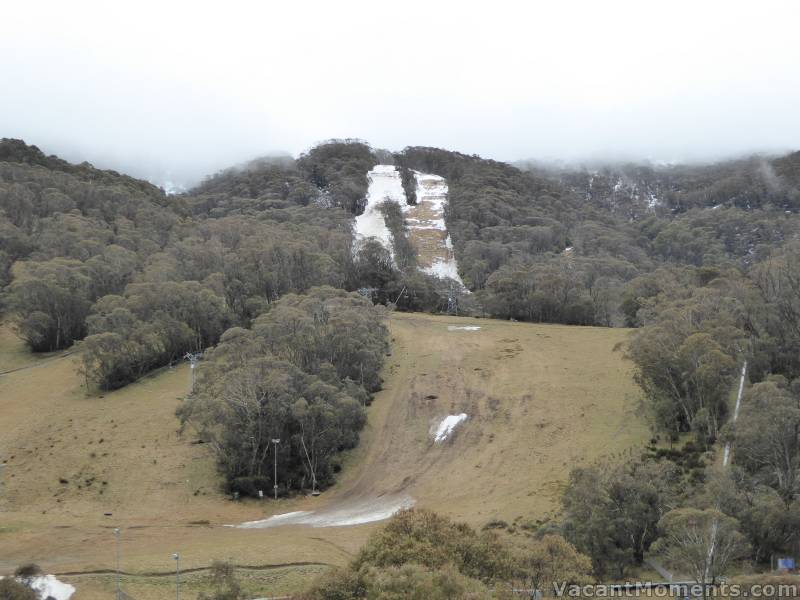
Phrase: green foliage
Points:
(327, 327)
(416, 292)
(339, 168)
(770, 525)
(546, 291)
(404, 253)
(302, 375)
(417, 583)
(338, 584)
(687, 357)
(397, 583)
(767, 436)
(425, 538)
(611, 512)
(276, 225)
(720, 215)
(17, 151)
(10, 589)
(550, 561)
(222, 578)
(702, 543)
(530, 249)
(264, 399)
(409, 183)
(151, 325)
(273, 261)
(778, 282)
(708, 272)
(420, 554)
(28, 571)
(268, 179)
(626, 189)
(51, 300)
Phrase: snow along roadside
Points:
(351, 513)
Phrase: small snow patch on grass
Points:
(47, 586)
(447, 426)
(463, 327)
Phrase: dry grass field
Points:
(540, 399)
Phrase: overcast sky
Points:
(188, 88)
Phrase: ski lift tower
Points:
(452, 300)
(193, 358)
(368, 292)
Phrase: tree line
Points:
(139, 278)
(420, 554)
(303, 374)
(696, 329)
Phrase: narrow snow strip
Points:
(726, 454)
(447, 426)
(463, 327)
(354, 513)
(47, 586)
(276, 520)
(384, 184)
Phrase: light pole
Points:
(275, 442)
(177, 558)
(116, 535)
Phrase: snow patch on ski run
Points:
(463, 327)
(427, 229)
(447, 426)
(47, 586)
(424, 220)
(384, 184)
(432, 190)
(352, 513)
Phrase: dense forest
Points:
(139, 279)
(256, 267)
(302, 374)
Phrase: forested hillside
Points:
(631, 189)
(564, 246)
(702, 259)
(138, 279)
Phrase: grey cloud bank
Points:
(179, 90)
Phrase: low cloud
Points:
(184, 90)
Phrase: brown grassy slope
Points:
(541, 398)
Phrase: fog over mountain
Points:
(174, 92)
